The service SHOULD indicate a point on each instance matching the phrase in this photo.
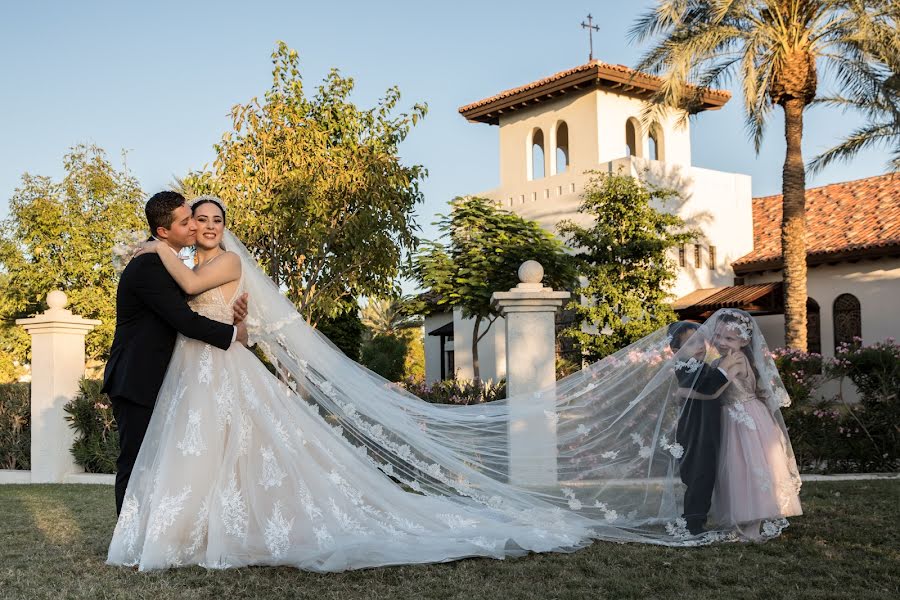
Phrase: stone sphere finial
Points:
(57, 300)
(531, 271)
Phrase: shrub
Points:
(874, 370)
(836, 437)
(452, 391)
(386, 355)
(90, 414)
(15, 426)
(345, 331)
(801, 373)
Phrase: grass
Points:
(53, 545)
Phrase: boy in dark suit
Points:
(699, 424)
(150, 311)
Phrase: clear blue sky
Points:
(159, 78)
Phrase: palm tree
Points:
(879, 102)
(387, 316)
(775, 46)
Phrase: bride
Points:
(327, 467)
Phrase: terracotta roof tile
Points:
(625, 75)
(843, 220)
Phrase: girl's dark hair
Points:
(208, 201)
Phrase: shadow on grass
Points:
(54, 541)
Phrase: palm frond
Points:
(869, 136)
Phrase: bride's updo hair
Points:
(201, 200)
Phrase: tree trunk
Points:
(476, 371)
(793, 227)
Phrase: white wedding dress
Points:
(329, 467)
(236, 469)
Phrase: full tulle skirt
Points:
(757, 478)
(237, 469)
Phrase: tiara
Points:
(742, 325)
(208, 198)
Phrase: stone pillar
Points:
(529, 310)
(57, 365)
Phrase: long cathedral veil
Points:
(610, 468)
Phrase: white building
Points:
(588, 118)
(853, 259)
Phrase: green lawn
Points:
(53, 544)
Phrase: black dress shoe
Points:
(696, 528)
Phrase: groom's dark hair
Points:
(160, 208)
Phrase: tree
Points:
(386, 355)
(389, 316)
(774, 45)
(345, 331)
(878, 100)
(60, 235)
(625, 257)
(316, 189)
(394, 347)
(486, 248)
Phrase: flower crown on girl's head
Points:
(208, 198)
(742, 325)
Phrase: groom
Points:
(150, 310)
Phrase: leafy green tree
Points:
(402, 355)
(345, 331)
(414, 362)
(625, 258)
(776, 47)
(60, 235)
(485, 247)
(316, 188)
(386, 355)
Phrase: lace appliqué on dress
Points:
(166, 512)
(192, 444)
(738, 412)
(272, 473)
(277, 533)
(234, 510)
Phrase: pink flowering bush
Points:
(801, 373)
(97, 441)
(874, 370)
(834, 436)
(452, 391)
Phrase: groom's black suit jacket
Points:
(150, 311)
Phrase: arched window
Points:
(562, 147)
(537, 154)
(847, 319)
(632, 138)
(813, 326)
(656, 148)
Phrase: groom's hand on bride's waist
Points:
(240, 308)
(241, 333)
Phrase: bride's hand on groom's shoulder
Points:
(240, 308)
(147, 247)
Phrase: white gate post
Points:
(529, 310)
(57, 365)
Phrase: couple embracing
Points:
(310, 460)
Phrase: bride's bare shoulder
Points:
(225, 261)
